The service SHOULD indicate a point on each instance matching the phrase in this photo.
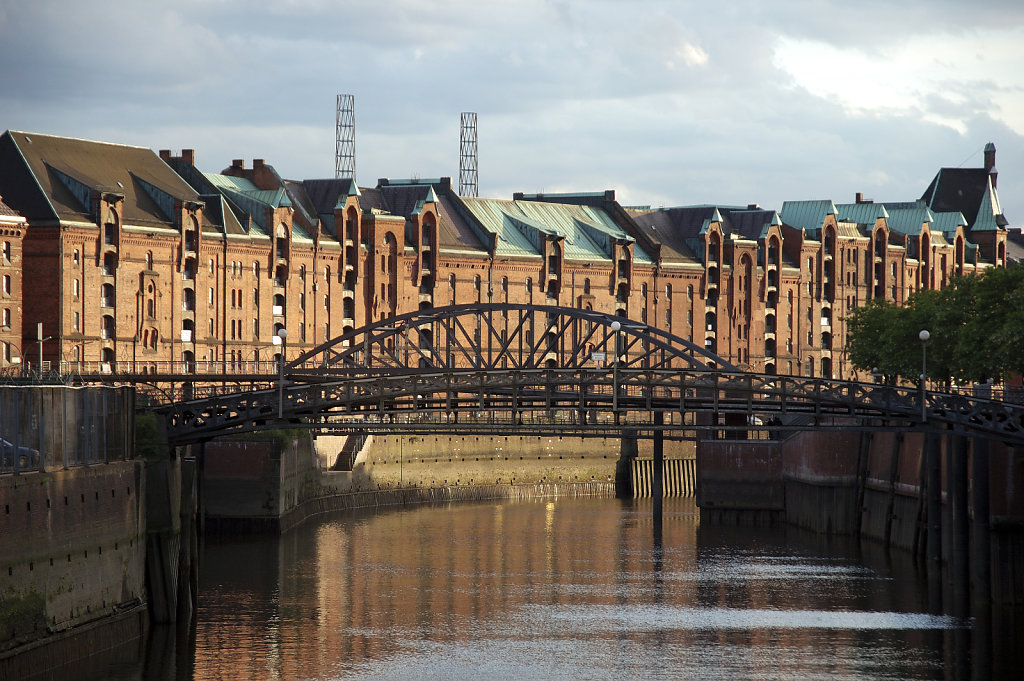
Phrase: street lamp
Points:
(282, 333)
(924, 336)
(615, 370)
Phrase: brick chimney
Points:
(238, 163)
(188, 156)
(165, 155)
(990, 163)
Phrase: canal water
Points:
(569, 589)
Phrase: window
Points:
(7, 251)
(211, 296)
(107, 295)
(6, 319)
(668, 291)
(107, 326)
(74, 286)
(77, 322)
(149, 260)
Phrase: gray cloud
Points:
(668, 102)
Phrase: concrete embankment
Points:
(276, 483)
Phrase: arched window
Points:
(107, 295)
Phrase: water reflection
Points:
(569, 589)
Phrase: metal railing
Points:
(47, 427)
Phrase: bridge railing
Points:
(45, 427)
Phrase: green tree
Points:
(976, 327)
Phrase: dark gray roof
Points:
(48, 177)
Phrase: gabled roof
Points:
(677, 229)
(254, 202)
(319, 198)
(969, 191)
(6, 212)
(750, 223)
(948, 221)
(909, 221)
(49, 177)
(861, 213)
(517, 228)
(808, 216)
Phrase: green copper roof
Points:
(807, 215)
(909, 220)
(989, 211)
(861, 213)
(587, 233)
(948, 221)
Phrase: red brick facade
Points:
(135, 261)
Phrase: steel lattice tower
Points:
(467, 157)
(345, 145)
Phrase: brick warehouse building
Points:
(12, 231)
(142, 259)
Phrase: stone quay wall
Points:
(72, 549)
(873, 484)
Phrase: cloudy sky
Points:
(668, 103)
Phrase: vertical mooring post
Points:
(958, 496)
(933, 489)
(981, 560)
(657, 483)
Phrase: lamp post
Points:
(283, 335)
(615, 370)
(924, 336)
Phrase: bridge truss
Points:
(519, 369)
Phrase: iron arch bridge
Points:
(533, 369)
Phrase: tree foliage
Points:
(976, 327)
